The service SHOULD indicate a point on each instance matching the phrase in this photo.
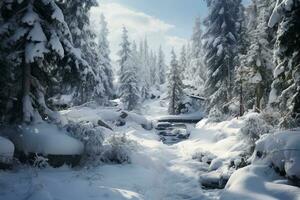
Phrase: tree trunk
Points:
(26, 92)
(258, 97)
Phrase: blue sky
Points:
(180, 13)
(164, 22)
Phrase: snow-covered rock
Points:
(45, 139)
(94, 114)
(7, 149)
(215, 164)
(258, 182)
(282, 150)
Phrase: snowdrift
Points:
(97, 115)
(46, 140)
(6, 152)
(258, 182)
(282, 151)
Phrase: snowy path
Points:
(157, 172)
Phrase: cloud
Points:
(139, 25)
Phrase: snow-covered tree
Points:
(258, 58)
(145, 70)
(36, 39)
(129, 89)
(105, 61)
(94, 85)
(183, 60)
(161, 66)
(153, 69)
(285, 93)
(197, 70)
(175, 86)
(221, 48)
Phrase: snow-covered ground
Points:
(156, 172)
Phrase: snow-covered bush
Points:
(271, 117)
(215, 115)
(254, 127)
(91, 136)
(118, 149)
(203, 156)
(45, 139)
(280, 150)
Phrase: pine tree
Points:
(285, 94)
(175, 86)
(35, 38)
(258, 58)
(145, 84)
(221, 48)
(183, 62)
(104, 52)
(129, 89)
(197, 70)
(93, 86)
(161, 66)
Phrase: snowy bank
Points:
(7, 149)
(97, 115)
(46, 139)
(281, 150)
(258, 182)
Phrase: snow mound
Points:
(258, 182)
(7, 149)
(40, 193)
(282, 150)
(94, 114)
(46, 139)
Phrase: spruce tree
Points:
(161, 66)
(183, 62)
(91, 87)
(129, 89)
(145, 84)
(105, 61)
(258, 58)
(175, 86)
(36, 39)
(285, 94)
(221, 48)
(196, 70)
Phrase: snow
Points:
(281, 149)
(36, 34)
(58, 14)
(196, 116)
(93, 114)
(21, 32)
(45, 139)
(56, 45)
(281, 6)
(278, 71)
(155, 171)
(257, 78)
(258, 182)
(30, 17)
(34, 51)
(7, 149)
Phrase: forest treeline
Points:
(239, 58)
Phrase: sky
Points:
(164, 22)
